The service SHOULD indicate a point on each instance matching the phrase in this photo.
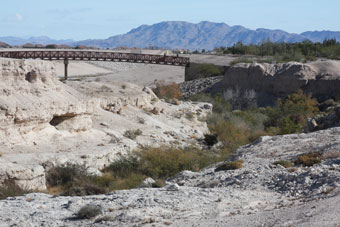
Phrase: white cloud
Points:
(19, 16)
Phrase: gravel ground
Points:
(259, 194)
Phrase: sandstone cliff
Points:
(264, 83)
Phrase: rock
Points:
(207, 107)
(31, 76)
(155, 111)
(253, 195)
(76, 124)
(31, 177)
(147, 183)
(264, 83)
(104, 124)
(172, 187)
(192, 87)
(46, 123)
(94, 172)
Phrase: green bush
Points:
(284, 52)
(63, 175)
(209, 70)
(290, 115)
(161, 162)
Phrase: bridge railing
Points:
(96, 56)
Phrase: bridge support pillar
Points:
(66, 65)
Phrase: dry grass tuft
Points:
(238, 164)
(168, 92)
(132, 134)
(10, 189)
(309, 159)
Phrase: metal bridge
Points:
(94, 55)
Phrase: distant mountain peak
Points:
(185, 35)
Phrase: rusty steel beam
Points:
(96, 56)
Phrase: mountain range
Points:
(185, 35)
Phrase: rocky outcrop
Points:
(31, 97)
(193, 87)
(260, 193)
(324, 120)
(271, 81)
(44, 122)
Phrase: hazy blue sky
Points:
(81, 19)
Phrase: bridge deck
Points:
(89, 55)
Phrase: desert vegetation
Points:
(11, 189)
(167, 91)
(238, 127)
(130, 170)
(308, 159)
(284, 52)
(232, 128)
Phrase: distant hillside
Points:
(204, 35)
(44, 40)
(184, 35)
(319, 36)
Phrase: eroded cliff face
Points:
(263, 83)
(44, 122)
(32, 98)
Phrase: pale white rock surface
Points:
(45, 122)
(259, 194)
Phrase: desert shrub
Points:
(309, 159)
(158, 163)
(89, 211)
(208, 70)
(132, 134)
(167, 161)
(241, 60)
(290, 115)
(203, 70)
(230, 166)
(73, 180)
(170, 91)
(10, 189)
(283, 163)
(83, 190)
(283, 52)
(210, 139)
(232, 128)
(123, 166)
(62, 175)
(131, 180)
(231, 134)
